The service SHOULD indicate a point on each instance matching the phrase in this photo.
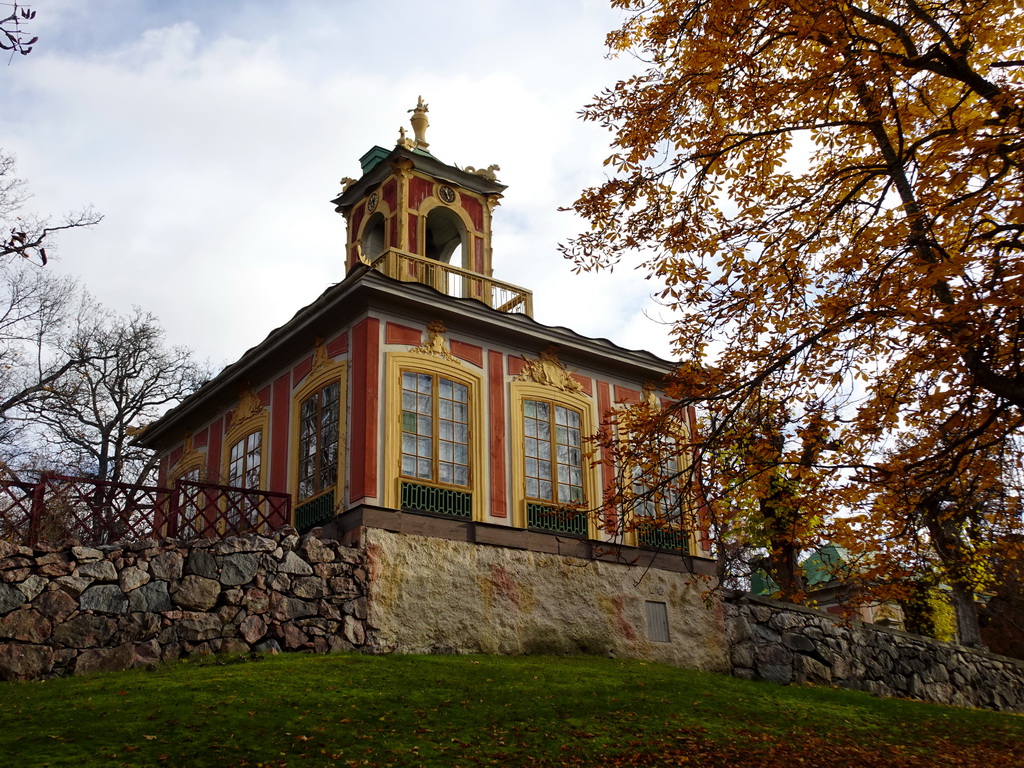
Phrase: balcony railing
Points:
(455, 281)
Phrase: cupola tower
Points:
(410, 206)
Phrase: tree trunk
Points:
(967, 625)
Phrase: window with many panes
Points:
(244, 472)
(554, 454)
(318, 441)
(244, 464)
(661, 504)
(190, 522)
(435, 429)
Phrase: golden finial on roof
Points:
(403, 140)
(420, 123)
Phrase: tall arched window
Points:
(435, 453)
(554, 482)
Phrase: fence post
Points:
(172, 522)
(36, 513)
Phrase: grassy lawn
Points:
(300, 710)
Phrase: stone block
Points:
(99, 570)
(343, 588)
(294, 638)
(15, 575)
(147, 654)
(765, 635)
(229, 614)
(139, 626)
(742, 655)
(167, 566)
(252, 629)
(739, 629)
(196, 593)
(238, 569)
(358, 608)
(256, 601)
(798, 642)
(308, 587)
(198, 627)
(772, 654)
(294, 564)
(55, 604)
(284, 608)
(232, 646)
(133, 578)
(32, 587)
(338, 644)
(761, 613)
(10, 598)
(26, 625)
(776, 673)
(104, 598)
(202, 563)
(354, 631)
(808, 670)
(332, 570)
(314, 551)
(25, 662)
(329, 609)
(55, 564)
(105, 659)
(246, 542)
(86, 554)
(150, 597)
(270, 646)
(280, 583)
(784, 620)
(85, 631)
(9, 549)
(73, 585)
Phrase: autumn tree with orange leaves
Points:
(832, 195)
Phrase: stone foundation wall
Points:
(113, 607)
(433, 595)
(785, 643)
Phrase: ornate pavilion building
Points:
(418, 410)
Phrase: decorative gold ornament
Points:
(320, 357)
(550, 371)
(249, 407)
(419, 123)
(403, 140)
(435, 344)
(650, 397)
(189, 454)
(487, 173)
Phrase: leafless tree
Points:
(95, 409)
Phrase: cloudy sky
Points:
(211, 136)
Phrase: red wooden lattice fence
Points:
(60, 509)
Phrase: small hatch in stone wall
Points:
(657, 622)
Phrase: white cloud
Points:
(212, 137)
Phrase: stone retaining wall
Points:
(784, 643)
(113, 607)
(432, 595)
